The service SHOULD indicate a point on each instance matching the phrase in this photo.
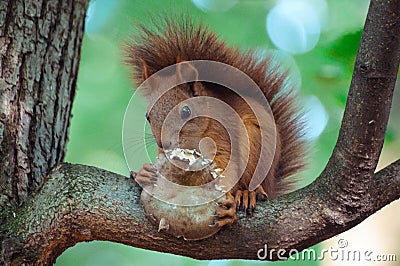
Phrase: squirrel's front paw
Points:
(147, 175)
(226, 211)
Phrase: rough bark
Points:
(88, 203)
(82, 203)
(363, 129)
(40, 45)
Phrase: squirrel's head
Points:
(177, 115)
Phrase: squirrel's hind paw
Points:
(225, 211)
(247, 200)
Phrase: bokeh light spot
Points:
(215, 5)
(294, 26)
(98, 13)
(285, 63)
(316, 117)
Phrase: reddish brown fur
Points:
(172, 41)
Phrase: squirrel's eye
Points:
(147, 116)
(185, 112)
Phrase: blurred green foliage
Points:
(104, 90)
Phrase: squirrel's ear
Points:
(198, 89)
(145, 73)
(186, 72)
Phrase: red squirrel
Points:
(175, 40)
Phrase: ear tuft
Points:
(146, 72)
(198, 89)
(186, 72)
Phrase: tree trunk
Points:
(40, 45)
(43, 212)
(40, 42)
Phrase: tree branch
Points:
(363, 129)
(92, 204)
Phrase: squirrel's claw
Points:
(132, 174)
(225, 211)
(246, 200)
(261, 194)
